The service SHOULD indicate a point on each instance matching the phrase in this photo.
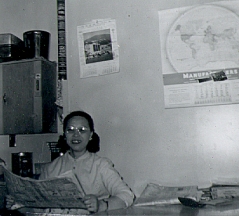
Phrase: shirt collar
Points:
(87, 158)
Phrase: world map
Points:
(204, 38)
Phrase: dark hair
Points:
(93, 144)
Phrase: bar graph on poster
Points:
(200, 54)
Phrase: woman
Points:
(103, 187)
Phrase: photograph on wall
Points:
(98, 46)
(98, 49)
(200, 54)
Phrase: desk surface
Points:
(229, 209)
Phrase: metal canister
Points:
(37, 43)
(22, 164)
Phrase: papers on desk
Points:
(222, 188)
(154, 194)
(217, 194)
(59, 192)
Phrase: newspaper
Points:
(155, 194)
(59, 192)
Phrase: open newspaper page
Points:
(59, 192)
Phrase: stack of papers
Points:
(155, 194)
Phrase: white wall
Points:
(145, 141)
(186, 146)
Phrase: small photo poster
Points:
(98, 48)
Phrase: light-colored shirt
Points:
(96, 175)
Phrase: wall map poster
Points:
(200, 54)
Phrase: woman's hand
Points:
(91, 202)
(9, 201)
(11, 204)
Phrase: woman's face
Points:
(78, 134)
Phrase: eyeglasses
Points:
(81, 130)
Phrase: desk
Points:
(229, 209)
